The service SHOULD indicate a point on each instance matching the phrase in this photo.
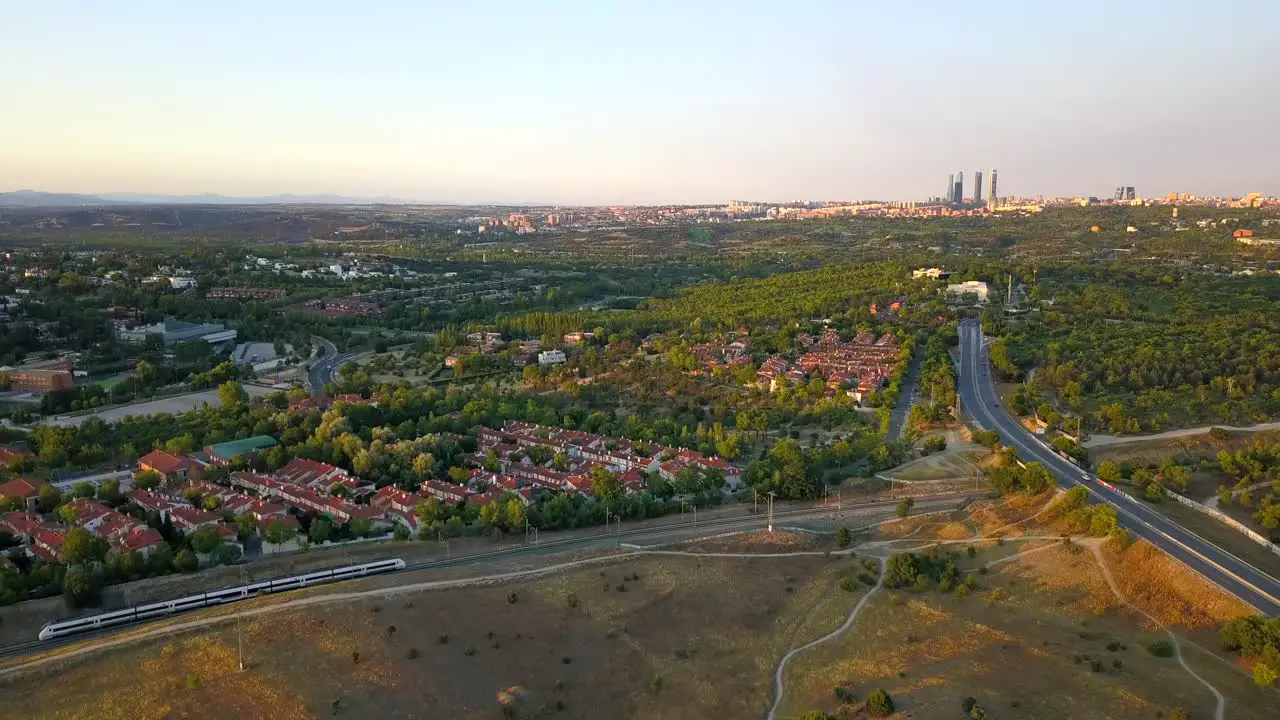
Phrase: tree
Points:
(605, 484)
(359, 526)
(205, 539)
(83, 490)
(904, 507)
(1154, 492)
(186, 561)
(422, 464)
(81, 585)
(1263, 674)
(279, 532)
(1109, 470)
(514, 512)
(232, 394)
(49, 497)
(246, 526)
(321, 531)
(212, 503)
(879, 704)
(79, 546)
(147, 480)
(491, 515)
(109, 492)
(560, 462)
(843, 537)
(987, 438)
(145, 372)
(226, 553)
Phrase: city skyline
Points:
(575, 103)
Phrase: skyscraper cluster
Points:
(955, 188)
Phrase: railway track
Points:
(734, 523)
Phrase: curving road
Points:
(979, 400)
(324, 364)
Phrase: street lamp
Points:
(771, 494)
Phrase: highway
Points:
(980, 401)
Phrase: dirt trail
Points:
(1107, 440)
(778, 688)
(1221, 708)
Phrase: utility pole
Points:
(239, 634)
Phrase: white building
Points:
(969, 287)
(550, 357)
(932, 273)
(182, 283)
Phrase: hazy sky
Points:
(647, 101)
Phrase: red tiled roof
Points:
(165, 462)
(141, 538)
(21, 488)
(192, 517)
(88, 510)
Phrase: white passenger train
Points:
(151, 611)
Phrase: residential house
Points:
(173, 469)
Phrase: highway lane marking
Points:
(1020, 443)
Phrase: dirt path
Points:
(1221, 708)
(1213, 501)
(1106, 440)
(778, 688)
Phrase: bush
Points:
(904, 507)
(412, 654)
(1161, 648)
(879, 704)
(843, 537)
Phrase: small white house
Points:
(550, 357)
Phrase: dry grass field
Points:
(1041, 635)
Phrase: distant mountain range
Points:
(35, 198)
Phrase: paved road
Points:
(906, 396)
(324, 364)
(124, 476)
(979, 400)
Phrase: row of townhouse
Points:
(37, 538)
(303, 498)
(619, 455)
(122, 532)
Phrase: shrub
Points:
(879, 704)
(967, 704)
(412, 654)
(469, 651)
(566, 660)
(355, 657)
(848, 585)
(443, 639)
(513, 598)
(572, 601)
(843, 537)
(1161, 648)
(973, 551)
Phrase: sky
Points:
(643, 102)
